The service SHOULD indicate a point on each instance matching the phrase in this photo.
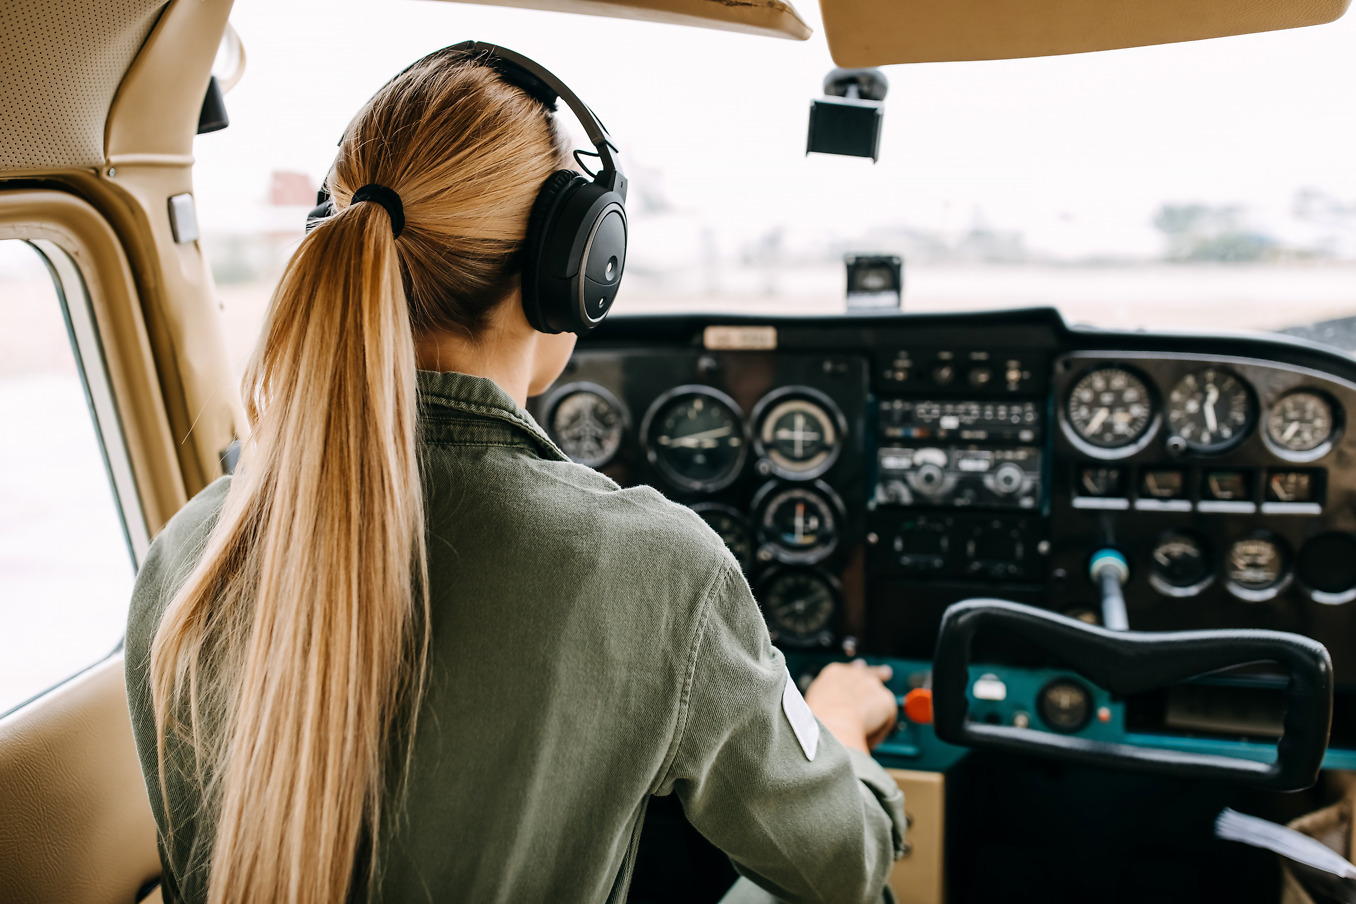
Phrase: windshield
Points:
(1202, 186)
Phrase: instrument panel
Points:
(868, 471)
(760, 446)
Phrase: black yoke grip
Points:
(1132, 662)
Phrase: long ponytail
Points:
(296, 649)
(328, 507)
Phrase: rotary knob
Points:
(1008, 478)
(929, 479)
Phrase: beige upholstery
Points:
(61, 62)
(872, 33)
(773, 18)
(75, 824)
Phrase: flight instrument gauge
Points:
(694, 436)
(1180, 565)
(799, 606)
(1256, 568)
(799, 432)
(1110, 408)
(797, 524)
(587, 422)
(1210, 409)
(732, 529)
(1300, 422)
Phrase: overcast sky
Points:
(1077, 151)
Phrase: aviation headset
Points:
(575, 249)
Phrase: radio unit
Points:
(962, 421)
(1004, 477)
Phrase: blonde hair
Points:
(295, 650)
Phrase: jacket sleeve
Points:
(806, 821)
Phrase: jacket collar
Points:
(489, 407)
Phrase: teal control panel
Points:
(1057, 701)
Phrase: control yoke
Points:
(1133, 662)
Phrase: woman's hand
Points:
(854, 704)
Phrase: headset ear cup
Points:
(542, 225)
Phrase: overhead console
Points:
(870, 471)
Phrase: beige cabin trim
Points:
(82, 232)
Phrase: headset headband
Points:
(611, 175)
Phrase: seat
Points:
(75, 824)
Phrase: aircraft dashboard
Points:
(870, 470)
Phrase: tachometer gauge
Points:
(1179, 565)
(732, 529)
(1300, 422)
(1256, 568)
(798, 524)
(799, 606)
(1110, 408)
(587, 422)
(694, 436)
(800, 432)
(1210, 409)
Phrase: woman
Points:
(410, 651)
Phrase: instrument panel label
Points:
(740, 338)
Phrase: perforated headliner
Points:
(61, 62)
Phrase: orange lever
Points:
(918, 705)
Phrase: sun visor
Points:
(876, 32)
(772, 18)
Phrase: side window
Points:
(66, 566)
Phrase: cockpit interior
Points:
(1113, 570)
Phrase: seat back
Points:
(75, 823)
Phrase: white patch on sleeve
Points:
(802, 720)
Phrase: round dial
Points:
(800, 434)
(1065, 705)
(1110, 408)
(588, 425)
(799, 606)
(732, 529)
(1180, 565)
(1300, 422)
(1256, 568)
(695, 437)
(1210, 409)
(1327, 567)
(798, 523)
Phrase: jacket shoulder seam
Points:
(698, 635)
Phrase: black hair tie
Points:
(388, 199)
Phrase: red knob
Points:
(918, 705)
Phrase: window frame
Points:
(73, 297)
(105, 325)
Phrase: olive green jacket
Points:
(591, 647)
